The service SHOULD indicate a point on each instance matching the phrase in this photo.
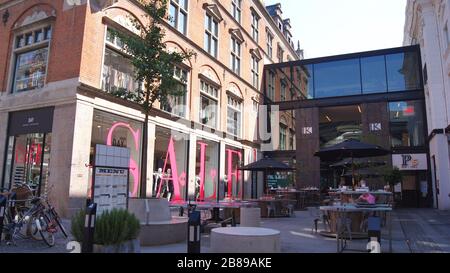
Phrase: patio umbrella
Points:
(350, 148)
(267, 164)
(359, 161)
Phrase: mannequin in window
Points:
(169, 184)
(197, 188)
(157, 176)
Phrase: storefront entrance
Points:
(28, 149)
(416, 190)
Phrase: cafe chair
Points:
(271, 209)
(344, 225)
(288, 208)
(318, 216)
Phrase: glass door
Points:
(30, 159)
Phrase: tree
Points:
(153, 66)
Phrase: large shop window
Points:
(407, 123)
(28, 149)
(231, 186)
(207, 170)
(209, 112)
(112, 130)
(118, 71)
(177, 104)
(31, 53)
(170, 164)
(234, 116)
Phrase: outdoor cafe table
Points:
(215, 207)
(293, 195)
(276, 204)
(343, 211)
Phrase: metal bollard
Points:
(2, 214)
(89, 228)
(194, 232)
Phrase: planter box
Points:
(132, 246)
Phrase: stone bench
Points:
(245, 240)
(158, 227)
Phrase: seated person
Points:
(366, 198)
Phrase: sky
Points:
(332, 27)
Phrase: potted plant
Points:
(116, 231)
(393, 176)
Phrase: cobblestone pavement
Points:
(413, 230)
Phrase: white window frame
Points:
(179, 9)
(235, 105)
(280, 54)
(211, 36)
(255, 26)
(184, 82)
(236, 10)
(255, 71)
(269, 44)
(271, 85)
(235, 57)
(283, 128)
(16, 51)
(113, 46)
(214, 97)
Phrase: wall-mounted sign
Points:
(410, 161)
(375, 127)
(32, 121)
(307, 130)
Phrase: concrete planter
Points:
(132, 246)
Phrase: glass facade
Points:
(406, 121)
(339, 78)
(337, 124)
(207, 170)
(365, 74)
(112, 130)
(231, 187)
(170, 164)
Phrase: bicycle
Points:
(34, 219)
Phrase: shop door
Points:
(410, 195)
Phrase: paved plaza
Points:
(413, 231)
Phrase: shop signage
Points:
(110, 189)
(32, 121)
(410, 161)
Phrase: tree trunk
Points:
(143, 178)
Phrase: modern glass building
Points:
(375, 97)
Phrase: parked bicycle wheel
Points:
(46, 229)
(54, 215)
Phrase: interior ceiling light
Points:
(359, 109)
(328, 118)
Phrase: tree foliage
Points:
(153, 63)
